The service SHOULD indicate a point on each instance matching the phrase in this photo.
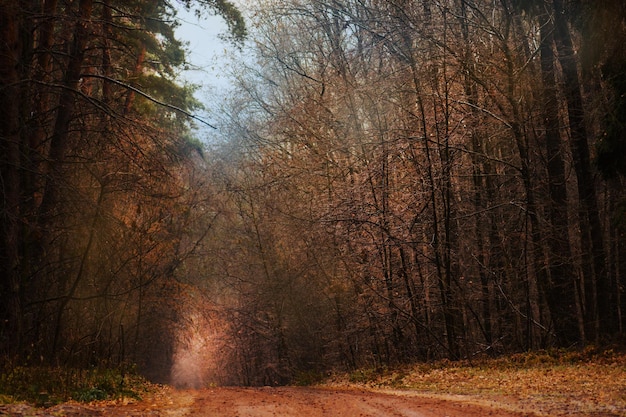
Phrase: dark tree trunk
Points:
(598, 295)
(10, 289)
(67, 103)
(561, 290)
(478, 172)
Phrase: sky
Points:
(205, 49)
(209, 58)
(206, 55)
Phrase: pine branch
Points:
(149, 97)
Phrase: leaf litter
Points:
(587, 383)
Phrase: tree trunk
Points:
(10, 288)
(471, 92)
(561, 290)
(67, 101)
(598, 317)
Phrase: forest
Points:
(387, 182)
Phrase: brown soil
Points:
(269, 402)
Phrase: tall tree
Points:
(92, 181)
(563, 287)
(11, 49)
(410, 160)
(597, 290)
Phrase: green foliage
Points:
(46, 386)
(361, 376)
(308, 378)
(90, 394)
(228, 10)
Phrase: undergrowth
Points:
(47, 386)
(554, 382)
(394, 376)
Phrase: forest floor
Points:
(540, 383)
(270, 402)
(527, 385)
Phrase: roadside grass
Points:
(47, 386)
(551, 383)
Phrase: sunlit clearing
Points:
(194, 363)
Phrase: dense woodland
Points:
(387, 182)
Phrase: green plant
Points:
(44, 386)
(307, 378)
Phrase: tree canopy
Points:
(99, 179)
(396, 182)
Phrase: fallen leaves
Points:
(554, 384)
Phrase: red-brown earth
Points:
(269, 402)
(587, 384)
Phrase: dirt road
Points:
(288, 402)
(271, 402)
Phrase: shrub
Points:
(46, 386)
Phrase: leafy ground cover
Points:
(551, 383)
(557, 383)
(46, 386)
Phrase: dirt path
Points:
(270, 402)
(288, 402)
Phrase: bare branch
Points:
(149, 97)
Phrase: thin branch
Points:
(482, 109)
(149, 97)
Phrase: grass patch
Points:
(47, 386)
